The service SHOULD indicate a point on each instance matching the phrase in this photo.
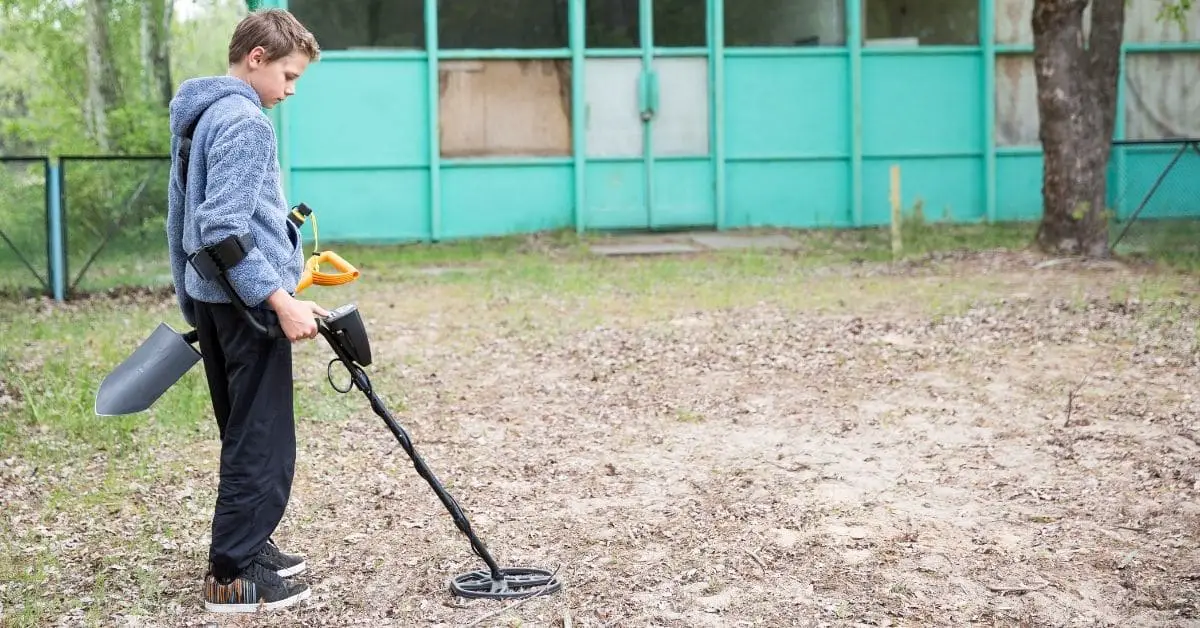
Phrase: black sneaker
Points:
(257, 588)
(285, 565)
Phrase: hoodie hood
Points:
(195, 95)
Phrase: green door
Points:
(648, 115)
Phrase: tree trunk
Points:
(1077, 88)
(161, 43)
(145, 27)
(102, 88)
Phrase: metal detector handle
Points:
(313, 275)
(274, 332)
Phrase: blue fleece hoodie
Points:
(233, 187)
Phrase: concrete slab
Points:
(645, 248)
(728, 241)
(436, 271)
(675, 243)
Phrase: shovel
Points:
(145, 375)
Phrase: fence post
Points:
(54, 229)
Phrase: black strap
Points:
(185, 151)
(211, 262)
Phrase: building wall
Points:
(509, 116)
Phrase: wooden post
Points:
(897, 244)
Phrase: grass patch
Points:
(1174, 243)
(140, 259)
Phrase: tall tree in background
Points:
(103, 94)
(1077, 104)
(156, 19)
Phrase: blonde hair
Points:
(277, 31)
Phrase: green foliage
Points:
(44, 111)
(42, 80)
(200, 42)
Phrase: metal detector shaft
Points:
(362, 382)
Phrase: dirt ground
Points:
(1009, 453)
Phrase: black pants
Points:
(250, 381)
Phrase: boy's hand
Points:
(296, 317)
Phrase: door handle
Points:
(648, 94)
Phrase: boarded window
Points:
(491, 24)
(352, 24)
(785, 23)
(505, 108)
(1016, 101)
(1162, 95)
(921, 22)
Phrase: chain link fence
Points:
(115, 209)
(24, 246)
(1155, 192)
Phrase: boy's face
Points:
(274, 80)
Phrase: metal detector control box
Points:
(347, 326)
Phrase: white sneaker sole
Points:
(293, 570)
(262, 606)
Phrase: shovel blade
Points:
(143, 377)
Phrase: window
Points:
(355, 24)
(921, 22)
(785, 23)
(613, 24)
(680, 23)
(617, 24)
(491, 24)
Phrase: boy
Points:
(232, 188)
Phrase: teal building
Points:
(436, 120)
